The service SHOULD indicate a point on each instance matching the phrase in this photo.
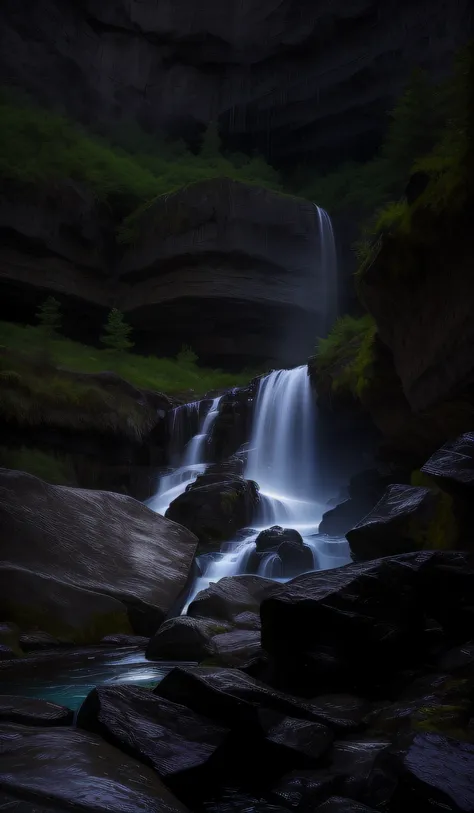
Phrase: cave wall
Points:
(293, 78)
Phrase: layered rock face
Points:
(230, 269)
(318, 77)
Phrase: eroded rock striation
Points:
(82, 564)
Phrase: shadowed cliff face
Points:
(290, 77)
(230, 269)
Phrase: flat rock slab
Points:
(31, 711)
(64, 769)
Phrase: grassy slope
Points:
(171, 376)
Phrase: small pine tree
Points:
(117, 332)
(49, 316)
(211, 142)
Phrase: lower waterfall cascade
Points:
(282, 459)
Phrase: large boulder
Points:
(369, 621)
(175, 741)
(83, 564)
(62, 769)
(400, 522)
(215, 507)
(453, 465)
(271, 538)
(427, 772)
(222, 623)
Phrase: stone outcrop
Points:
(82, 564)
(291, 77)
(363, 702)
(201, 263)
(63, 767)
(215, 507)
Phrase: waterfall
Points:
(192, 460)
(328, 266)
(282, 460)
(282, 457)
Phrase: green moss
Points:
(229, 501)
(97, 627)
(24, 377)
(346, 356)
(449, 720)
(52, 468)
(37, 146)
(442, 532)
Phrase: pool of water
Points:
(67, 677)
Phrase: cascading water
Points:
(328, 260)
(191, 463)
(282, 461)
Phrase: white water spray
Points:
(191, 465)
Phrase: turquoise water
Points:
(67, 677)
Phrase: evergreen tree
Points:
(211, 142)
(49, 315)
(117, 332)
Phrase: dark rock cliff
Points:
(230, 269)
(291, 77)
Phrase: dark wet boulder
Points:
(453, 464)
(445, 583)
(171, 738)
(346, 773)
(365, 490)
(82, 564)
(341, 804)
(139, 641)
(305, 741)
(399, 523)
(295, 558)
(350, 626)
(232, 697)
(269, 730)
(62, 769)
(217, 508)
(185, 639)
(31, 711)
(236, 648)
(10, 640)
(7, 653)
(227, 599)
(343, 712)
(36, 640)
(427, 772)
(271, 538)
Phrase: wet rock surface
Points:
(397, 524)
(82, 564)
(215, 506)
(62, 768)
(361, 698)
(33, 712)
